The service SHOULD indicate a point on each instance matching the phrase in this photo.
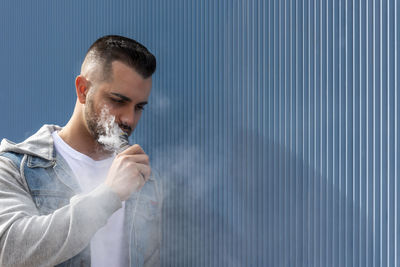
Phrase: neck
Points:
(77, 136)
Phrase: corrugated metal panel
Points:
(274, 123)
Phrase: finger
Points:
(133, 150)
(144, 170)
(138, 158)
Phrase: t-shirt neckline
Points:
(61, 144)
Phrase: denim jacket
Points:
(45, 220)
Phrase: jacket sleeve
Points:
(28, 239)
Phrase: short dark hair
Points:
(110, 48)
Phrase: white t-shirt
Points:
(106, 244)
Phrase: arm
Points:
(27, 239)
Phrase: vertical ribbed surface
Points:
(273, 123)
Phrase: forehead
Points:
(127, 81)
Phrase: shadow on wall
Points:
(249, 201)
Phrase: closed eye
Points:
(117, 100)
(140, 107)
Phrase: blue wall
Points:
(273, 123)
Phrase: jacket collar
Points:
(41, 154)
(40, 145)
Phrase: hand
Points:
(129, 172)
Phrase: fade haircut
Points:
(110, 48)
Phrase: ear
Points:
(82, 88)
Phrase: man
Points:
(66, 198)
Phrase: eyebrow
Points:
(127, 99)
(122, 96)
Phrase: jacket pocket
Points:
(148, 208)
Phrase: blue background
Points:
(273, 123)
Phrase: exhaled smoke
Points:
(112, 137)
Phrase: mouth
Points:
(125, 128)
(113, 135)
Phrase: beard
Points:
(93, 119)
(103, 127)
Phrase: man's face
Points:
(123, 98)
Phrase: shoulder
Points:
(10, 161)
(11, 170)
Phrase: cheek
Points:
(106, 107)
(103, 112)
(94, 104)
(110, 108)
(114, 110)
